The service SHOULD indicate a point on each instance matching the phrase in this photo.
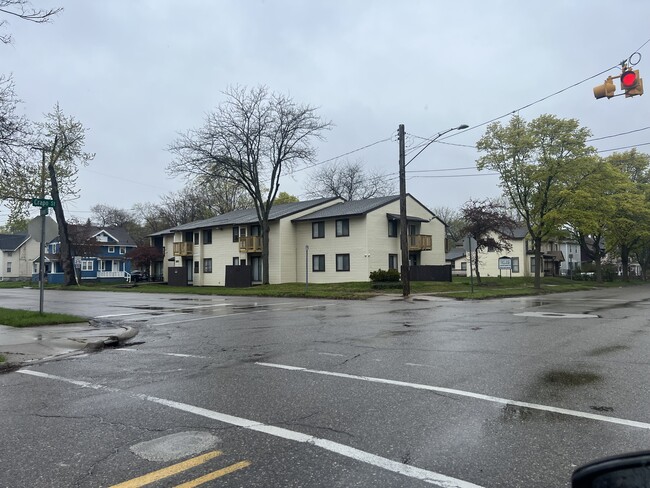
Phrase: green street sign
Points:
(43, 202)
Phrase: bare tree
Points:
(251, 139)
(349, 181)
(61, 140)
(23, 10)
(455, 223)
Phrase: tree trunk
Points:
(67, 261)
(478, 274)
(599, 268)
(625, 262)
(538, 263)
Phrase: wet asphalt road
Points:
(298, 393)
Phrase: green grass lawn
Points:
(459, 288)
(27, 318)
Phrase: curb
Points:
(91, 346)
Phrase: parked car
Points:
(139, 275)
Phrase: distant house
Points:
(17, 252)
(457, 259)
(100, 254)
(323, 241)
(558, 257)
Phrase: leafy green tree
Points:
(631, 229)
(284, 197)
(537, 162)
(591, 210)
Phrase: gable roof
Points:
(349, 208)
(11, 242)
(120, 234)
(249, 215)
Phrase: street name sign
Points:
(43, 202)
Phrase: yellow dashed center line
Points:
(215, 474)
(168, 471)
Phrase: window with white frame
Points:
(111, 249)
(392, 261)
(8, 266)
(122, 250)
(207, 265)
(87, 265)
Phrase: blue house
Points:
(100, 254)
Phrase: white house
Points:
(17, 253)
(323, 241)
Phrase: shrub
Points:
(384, 275)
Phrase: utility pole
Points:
(403, 234)
(403, 237)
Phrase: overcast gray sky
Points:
(135, 73)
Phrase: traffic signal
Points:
(607, 89)
(631, 82)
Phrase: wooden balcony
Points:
(250, 244)
(183, 249)
(420, 242)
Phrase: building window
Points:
(122, 250)
(196, 266)
(235, 234)
(207, 236)
(393, 228)
(8, 266)
(342, 262)
(256, 230)
(532, 264)
(463, 265)
(196, 238)
(392, 261)
(514, 263)
(111, 249)
(342, 227)
(317, 230)
(87, 265)
(207, 265)
(318, 262)
(235, 261)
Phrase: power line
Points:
(624, 147)
(343, 155)
(616, 135)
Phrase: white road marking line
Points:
(432, 477)
(331, 354)
(171, 309)
(478, 396)
(175, 354)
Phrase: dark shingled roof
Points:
(348, 209)
(11, 242)
(249, 216)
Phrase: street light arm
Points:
(437, 136)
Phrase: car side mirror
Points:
(625, 471)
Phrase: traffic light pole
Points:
(403, 237)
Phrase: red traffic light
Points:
(628, 79)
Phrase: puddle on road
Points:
(570, 378)
(601, 351)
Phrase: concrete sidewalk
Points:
(30, 345)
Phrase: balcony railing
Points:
(183, 249)
(250, 244)
(420, 242)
